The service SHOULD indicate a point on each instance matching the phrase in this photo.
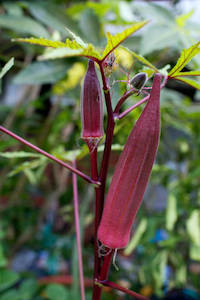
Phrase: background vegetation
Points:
(40, 101)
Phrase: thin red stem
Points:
(123, 99)
(102, 276)
(122, 289)
(94, 174)
(120, 116)
(109, 134)
(37, 149)
(78, 236)
(100, 192)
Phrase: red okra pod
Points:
(131, 174)
(91, 108)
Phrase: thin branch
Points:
(94, 175)
(60, 162)
(78, 236)
(122, 289)
(125, 96)
(120, 116)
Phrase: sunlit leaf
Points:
(19, 154)
(28, 165)
(77, 38)
(185, 58)
(190, 82)
(171, 213)
(136, 237)
(182, 19)
(193, 227)
(189, 73)
(7, 67)
(113, 41)
(47, 43)
(72, 79)
(59, 53)
(69, 48)
(141, 59)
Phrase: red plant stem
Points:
(109, 134)
(102, 276)
(122, 289)
(106, 265)
(37, 149)
(78, 236)
(94, 174)
(122, 100)
(120, 116)
(100, 192)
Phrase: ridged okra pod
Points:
(131, 174)
(91, 108)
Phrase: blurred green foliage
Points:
(40, 101)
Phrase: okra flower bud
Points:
(91, 108)
(139, 80)
(131, 175)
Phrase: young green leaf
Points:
(189, 81)
(82, 48)
(190, 73)
(115, 40)
(184, 59)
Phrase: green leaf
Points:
(190, 73)
(42, 42)
(55, 291)
(136, 237)
(171, 212)
(195, 252)
(182, 19)
(11, 294)
(77, 38)
(3, 260)
(141, 59)
(28, 165)
(70, 48)
(7, 279)
(42, 72)
(20, 154)
(27, 289)
(185, 58)
(23, 24)
(50, 14)
(189, 81)
(193, 227)
(113, 41)
(60, 53)
(158, 37)
(90, 26)
(7, 67)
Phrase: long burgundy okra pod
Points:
(131, 174)
(91, 108)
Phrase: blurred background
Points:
(40, 101)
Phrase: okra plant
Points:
(116, 208)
